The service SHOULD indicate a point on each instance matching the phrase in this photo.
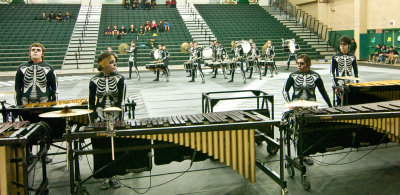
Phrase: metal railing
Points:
(307, 21)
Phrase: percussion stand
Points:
(110, 129)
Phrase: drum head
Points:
(207, 52)
(156, 54)
(246, 46)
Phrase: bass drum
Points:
(246, 46)
(207, 53)
(155, 54)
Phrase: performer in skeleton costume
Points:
(213, 47)
(108, 89)
(293, 48)
(303, 81)
(35, 80)
(165, 58)
(219, 55)
(132, 60)
(160, 60)
(238, 57)
(253, 59)
(344, 63)
(270, 59)
(196, 62)
(188, 63)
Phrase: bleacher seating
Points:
(118, 15)
(20, 28)
(242, 22)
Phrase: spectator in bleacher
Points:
(173, 3)
(109, 49)
(127, 4)
(134, 4)
(147, 27)
(67, 17)
(167, 27)
(108, 30)
(160, 26)
(391, 53)
(375, 54)
(43, 17)
(60, 17)
(132, 29)
(52, 16)
(147, 5)
(353, 46)
(168, 3)
(141, 30)
(153, 4)
(153, 26)
(122, 30)
(383, 54)
(151, 44)
(115, 31)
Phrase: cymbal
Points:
(65, 113)
(349, 78)
(66, 105)
(113, 109)
(6, 93)
(302, 103)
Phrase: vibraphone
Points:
(30, 112)
(225, 136)
(14, 169)
(367, 92)
(329, 129)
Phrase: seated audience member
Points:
(109, 49)
(167, 27)
(115, 31)
(122, 30)
(67, 17)
(134, 4)
(153, 26)
(168, 3)
(383, 54)
(147, 27)
(391, 54)
(173, 3)
(375, 54)
(127, 4)
(43, 17)
(141, 30)
(52, 16)
(153, 4)
(59, 17)
(132, 29)
(160, 26)
(147, 5)
(108, 30)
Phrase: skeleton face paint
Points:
(36, 54)
(109, 65)
(302, 66)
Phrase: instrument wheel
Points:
(305, 183)
(290, 170)
(272, 149)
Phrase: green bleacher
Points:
(117, 15)
(20, 28)
(242, 22)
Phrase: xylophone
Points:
(14, 170)
(225, 136)
(367, 92)
(329, 129)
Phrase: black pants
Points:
(131, 64)
(291, 57)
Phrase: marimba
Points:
(225, 136)
(329, 129)
(14, 169)
(367, 92)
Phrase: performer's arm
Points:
(334, 66)
(53, 85)
(321, 88)
(289, 83)
(355, 67)
(92, 100)
(19, 82)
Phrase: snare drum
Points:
(151, 67)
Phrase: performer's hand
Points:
(336, 92)
(159, 61)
